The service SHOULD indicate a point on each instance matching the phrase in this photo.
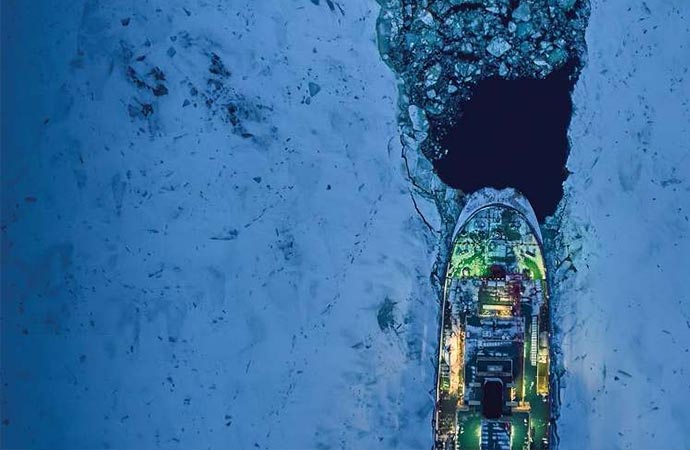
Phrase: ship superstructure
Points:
(493, 377)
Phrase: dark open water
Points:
(513, 133)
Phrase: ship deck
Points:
(495, 329)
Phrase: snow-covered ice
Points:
(625, 313)
(204, 209)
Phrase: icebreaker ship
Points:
(493, 365)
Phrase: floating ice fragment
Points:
(467, 48)
(420, 124)
(522, 12)
(557, 56)
(435, 108)
(431, 38)
(427, 19)
(498, 46)
(418, 118)
(566, 4)
(432, 75)
(464, 70)
(524, 29)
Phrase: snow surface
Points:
(209, 275)
(625, 313)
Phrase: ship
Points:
(492, 387)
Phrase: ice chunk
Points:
(522, 12)
(566, 4)
(498, 46)
(557, 56)
(418, 119)
(432, 75)
(427, 19)
(464, 70)
(466, 48)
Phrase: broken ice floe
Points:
(442, 48)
